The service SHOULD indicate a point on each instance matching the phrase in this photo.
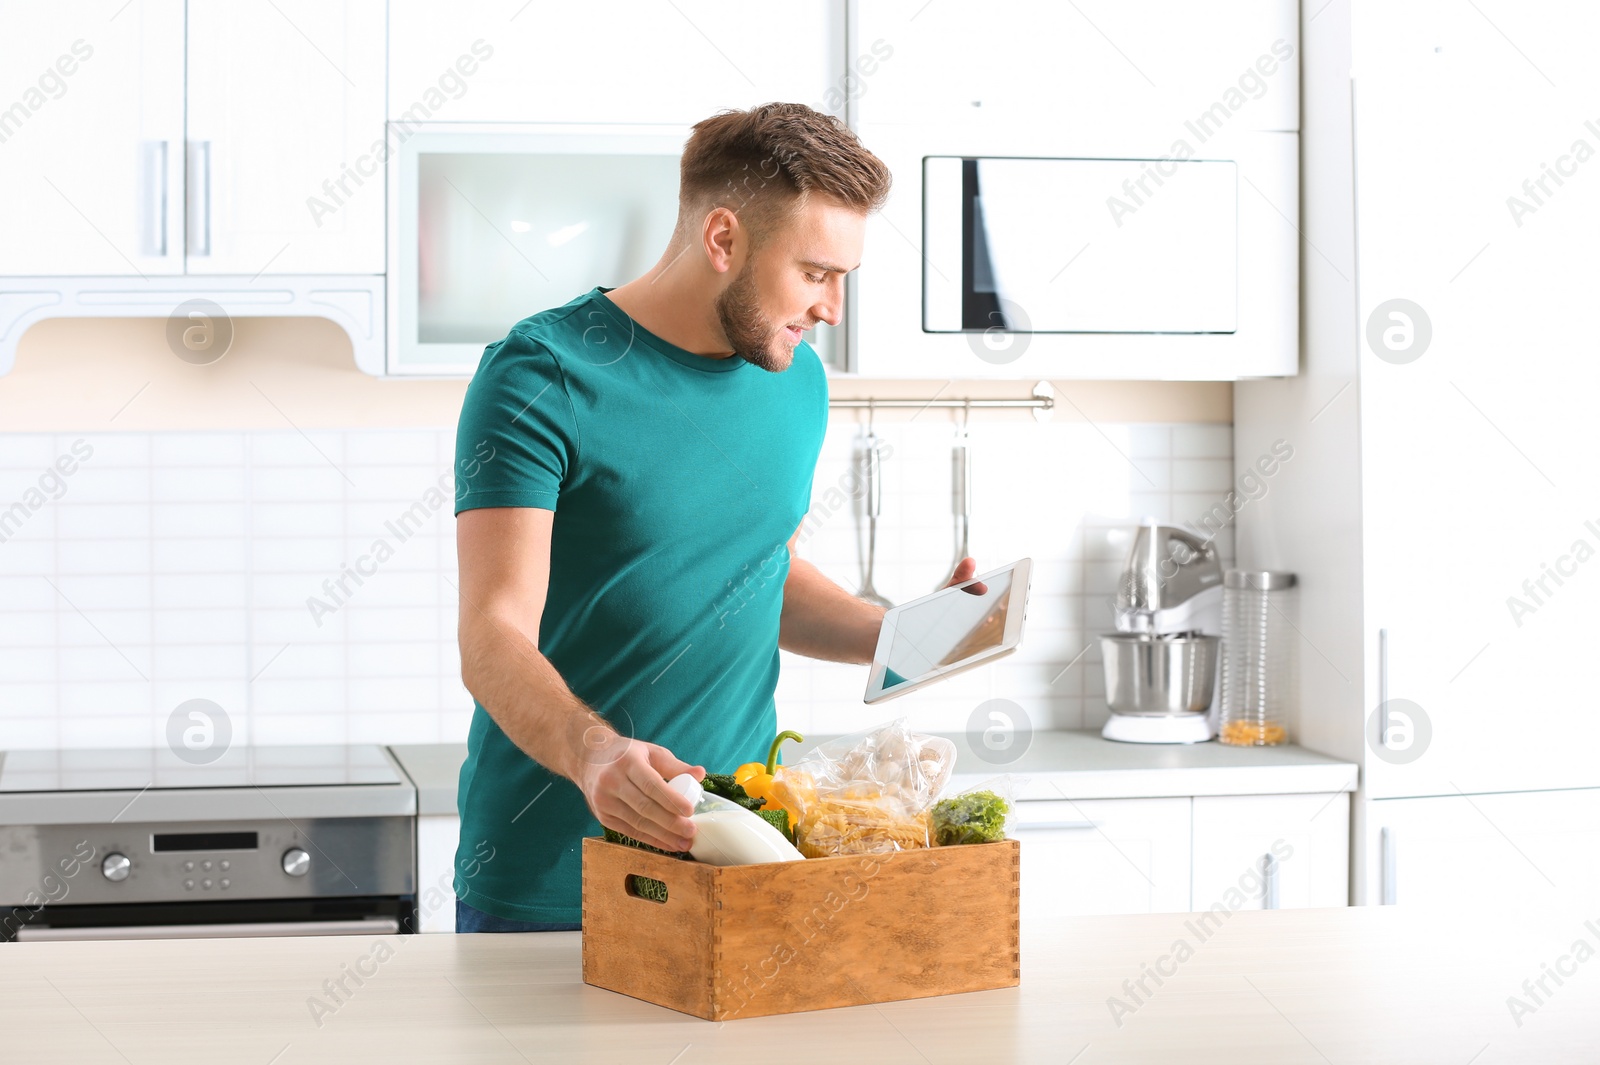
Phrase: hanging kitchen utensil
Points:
(874, 487)
(960, 491)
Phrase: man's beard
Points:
(753, 338)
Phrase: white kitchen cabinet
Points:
(286, 105)
(1434, 485)
(437, 836)
(1277, 851)
(91, 138)
(1092, 856)
(1091, 65)
(1160, 855)
(166, 138)
(1492, 408)
(1047, 277)
(633, 61)
(1530, 850)
(166, 141)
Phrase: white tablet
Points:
(949, 632)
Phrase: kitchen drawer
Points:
(1098, 856)
(1276, 851)
(1532, 849)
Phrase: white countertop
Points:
(1362, 985)
(1055, 765)
(1082, 765)
(435, 768)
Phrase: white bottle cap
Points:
(688, 787)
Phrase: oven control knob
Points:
(296, 862)
(116, 867)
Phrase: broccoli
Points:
(975, 817)
(722, 784)
(778, 819)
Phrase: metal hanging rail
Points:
(1042, 403)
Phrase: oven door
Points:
(159, 879)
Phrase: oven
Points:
(259, 842)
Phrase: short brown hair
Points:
(763, 164)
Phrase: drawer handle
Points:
(1039, 825)
(1388, 873)
(1383, 687)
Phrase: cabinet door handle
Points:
(1386, 868)
(1041, 825)
(1383, 687)
(1269, 881)
(961, 487)
(199, 198)
(154, 169)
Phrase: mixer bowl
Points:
(1155, 676)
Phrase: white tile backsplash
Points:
(172, 566)
(1065, 495)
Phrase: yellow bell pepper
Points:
(756, 777)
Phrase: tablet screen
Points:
(945, 629)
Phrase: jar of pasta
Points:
(1260, 649)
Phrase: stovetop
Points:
(150, 785)
(160, 769)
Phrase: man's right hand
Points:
(625, 783)
(504, 557)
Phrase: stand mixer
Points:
(1161, 663)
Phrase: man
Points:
(636, 466)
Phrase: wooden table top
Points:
(1360, 985)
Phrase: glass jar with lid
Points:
(1260, 652)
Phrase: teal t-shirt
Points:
(676, 482)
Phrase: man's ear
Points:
(719, 236)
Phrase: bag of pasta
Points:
(868, 793)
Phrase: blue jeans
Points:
(472, 919)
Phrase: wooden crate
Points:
(753, 940)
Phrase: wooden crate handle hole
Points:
(646, 888)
